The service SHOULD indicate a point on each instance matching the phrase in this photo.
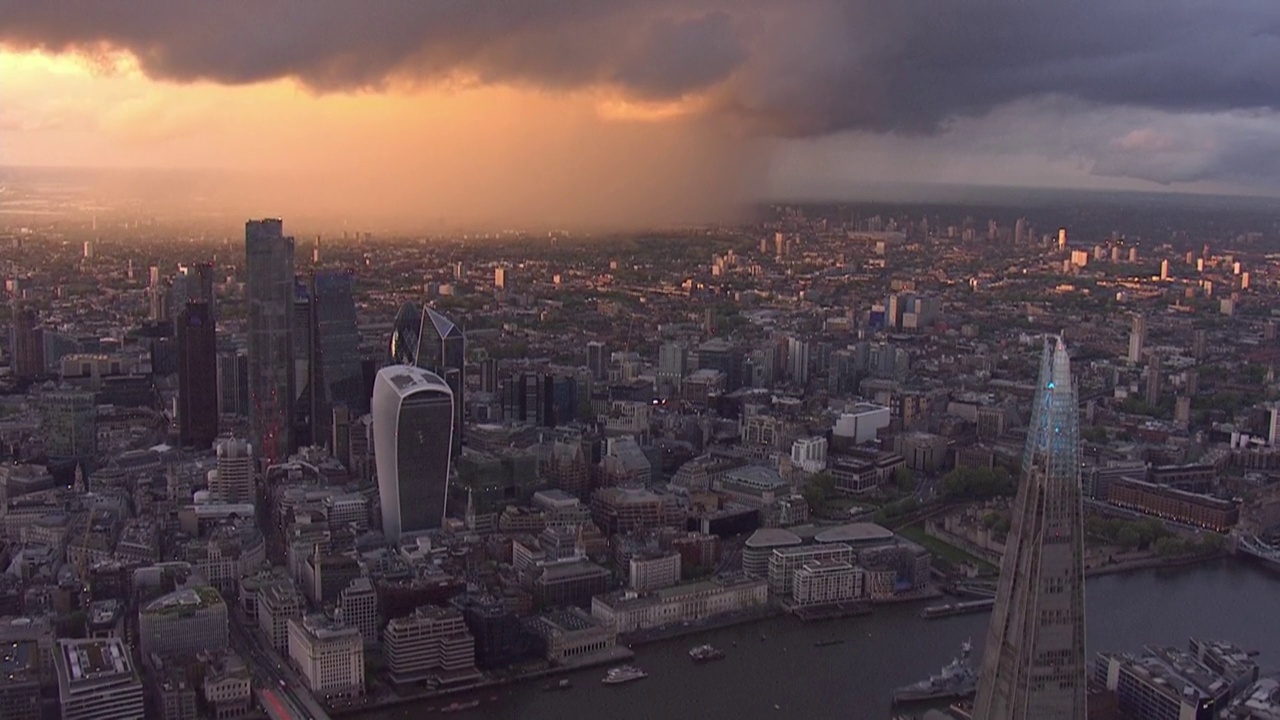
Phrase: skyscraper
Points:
(598, 360)
(193, 282)
(1137, 338)
(412, 429)
(197, 375)
(1034, 661)
(232, 480)
(432, 341)
(303, 337)
(337, 377)
(269, 292)
(26, 343)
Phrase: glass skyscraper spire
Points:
(1033, 667)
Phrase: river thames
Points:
(786, 676)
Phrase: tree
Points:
(820, 488)
(905, 479)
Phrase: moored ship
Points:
(956, 680)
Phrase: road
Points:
(281, 691)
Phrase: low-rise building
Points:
(822, 582)
(98, 681)
(572, 633)
(184, 622)
(278, 602)
(653, 571)
(20, 680)
(227, 688)
(628, 611)
(1172, 504)
(432, 644)
(569, 582)
(785, 561)
(328, 655)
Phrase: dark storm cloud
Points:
(797, 67)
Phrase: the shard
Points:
(1033, 667)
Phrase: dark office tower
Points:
(413, 419)
(489, 375)
(269, 291)
(598, 360)
(1034, 662)
(233, 383)
(337, 378)
(26, 343)
(197, 375)
(303, 336)
(193, 282)
(432, 341)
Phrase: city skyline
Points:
(738, 102)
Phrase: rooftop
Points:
(772, 537)
(857, 533)
(182, 600)
(94, 659)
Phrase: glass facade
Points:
(412, 423)
(422, 448)
(337, 374)
(197, 375)
(269, 291)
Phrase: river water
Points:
(786, 676)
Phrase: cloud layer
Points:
(797, 67)
(1175, 91)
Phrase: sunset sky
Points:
(620, 111)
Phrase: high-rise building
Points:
(412, 428)
(1137, 338)
(269, 291)
(303, 355)
(1062, 238)
(1198, 344)
(1034, 663)
(598, 360)
(193, 283)
(1153, 388)
(197, 375)
(500, 278)
(337, 376)
(233, 382)
(232, 480)
(431, 341)
(97, 680)
(26, 343)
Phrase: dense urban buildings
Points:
(635, 433)
(1034, 662)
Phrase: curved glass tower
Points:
(412, 433)
(1033, 665)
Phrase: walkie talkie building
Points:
(412, 436)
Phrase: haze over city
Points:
(623, 114)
